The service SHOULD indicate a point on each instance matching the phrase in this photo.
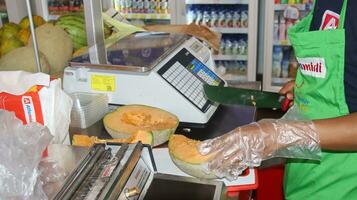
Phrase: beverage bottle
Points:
(229, 19)
(140, 6)
(244, 19)
(284, 1)
(291, 2)
(206, 21)
(158, 6)
(152, 6)
(128, 6)
(242, 47)
(276, 1)
(282, 29)
(277, 60)
(134, 6)
(199, 17)
(235, 47)
(236, 19)
(146, 6)
(116, 5)
(285, 63)
(221, 70)
(214, 18)
(228, 47)
(191, 16)
(276, 29)
(222, 19)
(222, 47)
(164, 6)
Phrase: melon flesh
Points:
(88, 141)
(185, 155)
(126, 120)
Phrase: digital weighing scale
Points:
(163, 70)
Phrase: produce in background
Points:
(9, 30)
(184, 153)
(56, 45)
(10, 44)
(23, 58)
(127, 120)
(23, 35)
(37, 20)
(87, 141)
(74, 25)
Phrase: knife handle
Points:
(285, 104)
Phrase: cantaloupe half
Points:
(184, 153)
(126, 120)
(88, 141)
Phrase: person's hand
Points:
(288, 91)
(248, 145)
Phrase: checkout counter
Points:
(166, 71)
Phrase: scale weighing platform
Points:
(163, 70)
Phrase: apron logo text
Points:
(314, 67)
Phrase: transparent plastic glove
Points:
(248, 145)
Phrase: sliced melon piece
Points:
(144, 137)
(184, 153)
(126, 120)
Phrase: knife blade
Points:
(232, 95)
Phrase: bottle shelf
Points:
(146, 16)
(230, 30)
(230, 57)
(217, 1)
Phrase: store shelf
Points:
(217, 1)
(230, 30)
(282, 43)
(146, 16)
(280, 7)
(231, 57)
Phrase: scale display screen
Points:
(188, 75)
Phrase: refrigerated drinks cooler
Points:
(237, 21)
(279, 61)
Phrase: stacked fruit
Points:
(13, 35)
(74, 25)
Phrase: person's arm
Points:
(338, 134)
(248, 145)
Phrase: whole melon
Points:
(74, 25)
(185, 155)
(127, 120)
(56, 45)
(23, 58)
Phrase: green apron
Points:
(319, 93)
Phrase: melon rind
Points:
(195, 170)
(159, 136)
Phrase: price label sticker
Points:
(103, 83)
